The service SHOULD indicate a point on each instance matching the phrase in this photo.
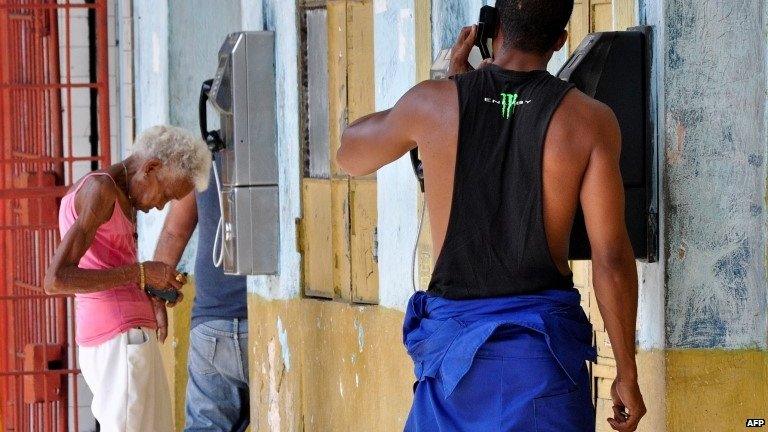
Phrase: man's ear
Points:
(561, 41)
(152, 165)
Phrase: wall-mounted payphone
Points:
(243, 95)
(614, 68)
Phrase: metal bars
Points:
(44, 101)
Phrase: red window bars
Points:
(54, 127)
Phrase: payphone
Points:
(243, 95)
(615, 68)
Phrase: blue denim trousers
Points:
(217, 390)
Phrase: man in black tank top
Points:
(499, 341)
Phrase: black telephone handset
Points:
(211, 138)
(487, 25)
(486, 29)
(168, 295)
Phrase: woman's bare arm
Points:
(95, 202)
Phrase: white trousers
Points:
(127, 379)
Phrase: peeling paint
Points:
(651, 319)
(715, 183)
(273, 417)
(280, 16)
(285, 350)
(360, 335)
(395, 73)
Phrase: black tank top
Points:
(495, 244)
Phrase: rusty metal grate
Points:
(42, 116)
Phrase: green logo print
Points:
(508, 104)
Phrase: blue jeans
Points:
(217, 390)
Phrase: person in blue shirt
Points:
(218, 389)
(499, 341)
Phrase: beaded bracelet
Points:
(142, 277)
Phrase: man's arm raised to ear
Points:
(377, 139)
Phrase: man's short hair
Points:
(533, 25)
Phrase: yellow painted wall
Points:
(319, 365)
(174, 352)
(715, 390)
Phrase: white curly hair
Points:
(184, 154)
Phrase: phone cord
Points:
(218, 258)
(414, 270)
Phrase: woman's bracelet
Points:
(142, 277)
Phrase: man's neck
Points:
(521, 61)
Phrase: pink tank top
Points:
(103, 315)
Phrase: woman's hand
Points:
(162, 276)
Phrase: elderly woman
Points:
(96, 261)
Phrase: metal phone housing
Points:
(242, 93)
(615, 68)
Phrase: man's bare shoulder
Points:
(429, 95)
(592, 121)
(432, 104)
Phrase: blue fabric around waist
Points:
(443, 336)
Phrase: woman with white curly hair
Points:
(97, 262)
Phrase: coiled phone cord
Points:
(217, 260)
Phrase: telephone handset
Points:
(486, 29)
(211, 138)
(487, 25)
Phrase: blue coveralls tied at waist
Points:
(443, 336)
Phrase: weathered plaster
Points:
(651, 302)
(449, 16)
(251, 15)
(280, 17)
(151, 93)
(715, 186)
(765, 144)
(395, 73)
(336, 379)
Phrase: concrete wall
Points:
(395, 73)
(280, 16)
(715, 148)
(711, 110)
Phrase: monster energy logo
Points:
(508, 104)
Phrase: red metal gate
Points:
(41, 115)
